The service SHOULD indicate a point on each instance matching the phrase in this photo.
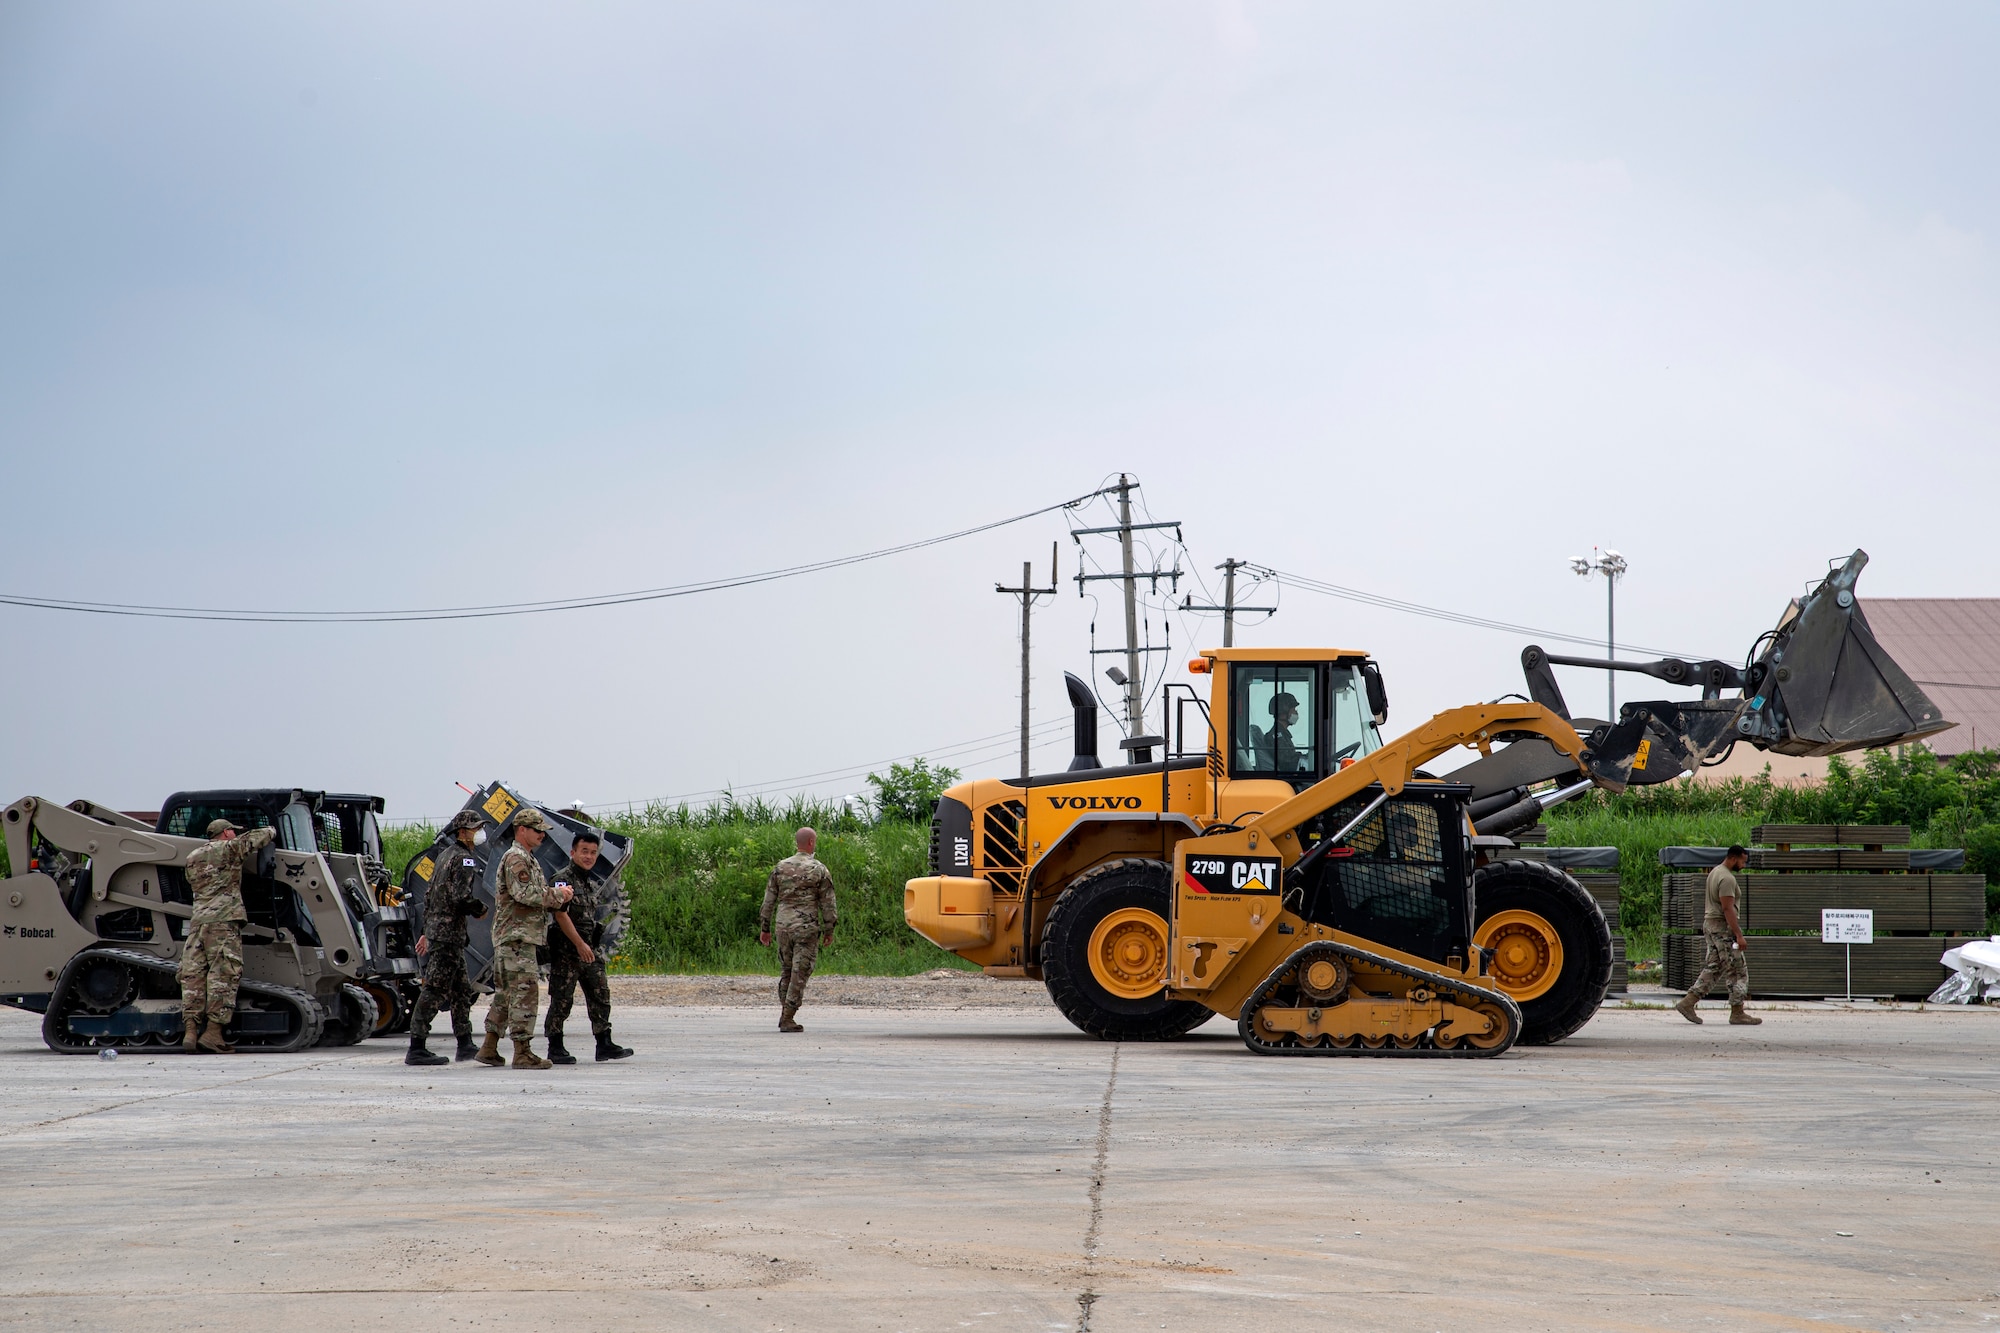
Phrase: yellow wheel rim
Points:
(1128, 953)
(1527, 953)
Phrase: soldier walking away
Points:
(212, 957)
(574, 936)
(521, 903)
(451, 898)
(1722, 928)
(799, 897)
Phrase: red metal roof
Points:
(1951, 647)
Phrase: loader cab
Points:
(347, 824)
(1298, 716)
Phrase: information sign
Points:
(1849, 926)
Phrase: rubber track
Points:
(300, 1003)
(1442, 982)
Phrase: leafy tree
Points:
(910, 793)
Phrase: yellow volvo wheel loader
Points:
(1284, 866)
(94, 917)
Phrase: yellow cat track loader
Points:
(1284, 866)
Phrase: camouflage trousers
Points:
(511, 1012)
(566, 973)
(445, 987)
(1723, 961)
(798, 950)
(211, 967)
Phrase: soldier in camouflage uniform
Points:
(521, 903)
(212, 957)
(1722, 933)
(450, 899)
(800, 898)
(574, 936)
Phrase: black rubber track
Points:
(1444, 983)
(1132, 882)
(165, 973)
(1531, 886)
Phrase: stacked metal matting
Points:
(1596, 868)
(1921, 909)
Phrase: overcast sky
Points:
(384, 306)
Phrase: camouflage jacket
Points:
(582, 911)
(215, 874)
(521, 900)
(453, 895)
(800, 895)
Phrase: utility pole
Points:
(1133, 678)
(1612, 566)
(1028, 592)
(1229, 608)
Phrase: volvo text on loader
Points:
(1285, 866)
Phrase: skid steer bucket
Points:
(1817, 683)
(1827, 685)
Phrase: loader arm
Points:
(1475, 725)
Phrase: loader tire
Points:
(1120, 894)
(1553, 943)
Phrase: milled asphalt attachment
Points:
(1088, 1297)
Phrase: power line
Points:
(1300, 581)
(509, 608)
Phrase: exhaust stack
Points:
(1085, 705)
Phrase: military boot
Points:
(1686, 1007)
(213, 1040)
(1738, 1018)
(191, 1038)
(788, 1021)
(559, 1053)
(421, 1053)
(608, 1049)
(525, 1057)
(467, 1047)
(489, 1051)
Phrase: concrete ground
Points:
(991, 1169)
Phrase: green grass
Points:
(1639, 838)
(696, 882)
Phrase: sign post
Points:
(1849, 926)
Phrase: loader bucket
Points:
(1823, 684)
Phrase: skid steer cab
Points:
(93, 924)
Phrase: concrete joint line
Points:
(1088, 1297)
(166, 1096)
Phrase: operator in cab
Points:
(1276, 749)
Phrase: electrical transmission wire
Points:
(1324, 588)
(510, 608)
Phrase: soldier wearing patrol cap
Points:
(521, 902)
(212, 957)
(451, 898)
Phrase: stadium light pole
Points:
(1612, 566)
